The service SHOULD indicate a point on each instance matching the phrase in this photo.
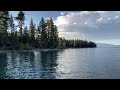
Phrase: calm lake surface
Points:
(87, 63)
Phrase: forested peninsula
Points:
(42, 36)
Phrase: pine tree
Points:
(32, 33)
(39, 28)
(12, 34)
(4, 18)
(46, 32)
(55, 37)
(20, 18)
(44, 40)
(52, 34)
(38, 36)
(62, 43)
(50, 29)
(25, 35)
(11, 25)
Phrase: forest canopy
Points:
(42, 36)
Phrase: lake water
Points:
(86, 63)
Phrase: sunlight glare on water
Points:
(86, 63)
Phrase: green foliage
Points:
(32, 33)
(44, 39)
(79, 44)
(11, 25)
(24, 46)
(62, 43)
(52, 34)
(25, 38)
(44, 36)
(20, 18)
(4, 18)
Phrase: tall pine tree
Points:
(56, 40)
(12, 38)
(44, 39)
(52, 34)
(32, 33)
(25, 35)
(20, 18)
(11, 24)
(4, 18)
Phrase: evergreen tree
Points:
(26, 35)
(52, 34)
(11, 25)
(12, 38)
(38, 36)
(44, 40)
(45, 36)
(20, 18)
(4, 18)
(32, 33)
(62, 43)
(55, 37)
(51, 38)
(39, 28)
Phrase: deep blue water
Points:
(86, 63)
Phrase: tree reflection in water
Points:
(29, 65)
(3, 63)
(49, 64)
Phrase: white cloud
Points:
(61, 21)
(101, 12)
(86, 22)
(109, 18)
(74, 23)
(62, 13)
(92, 25)
(84, 13)
(48, 18)
(99, 20)
(116, 17)
(70, 35)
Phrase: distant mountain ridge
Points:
(106, 45)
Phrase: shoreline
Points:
(42, 50)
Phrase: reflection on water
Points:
(66, 64)
(49, 64)
(3, 64)
(29, 64)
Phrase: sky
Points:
(98, 26)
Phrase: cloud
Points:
(116, 17)
(109, 18)
(99, 20)
(74, 23)
(86, 22)
(62, 13)
(91, 25)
